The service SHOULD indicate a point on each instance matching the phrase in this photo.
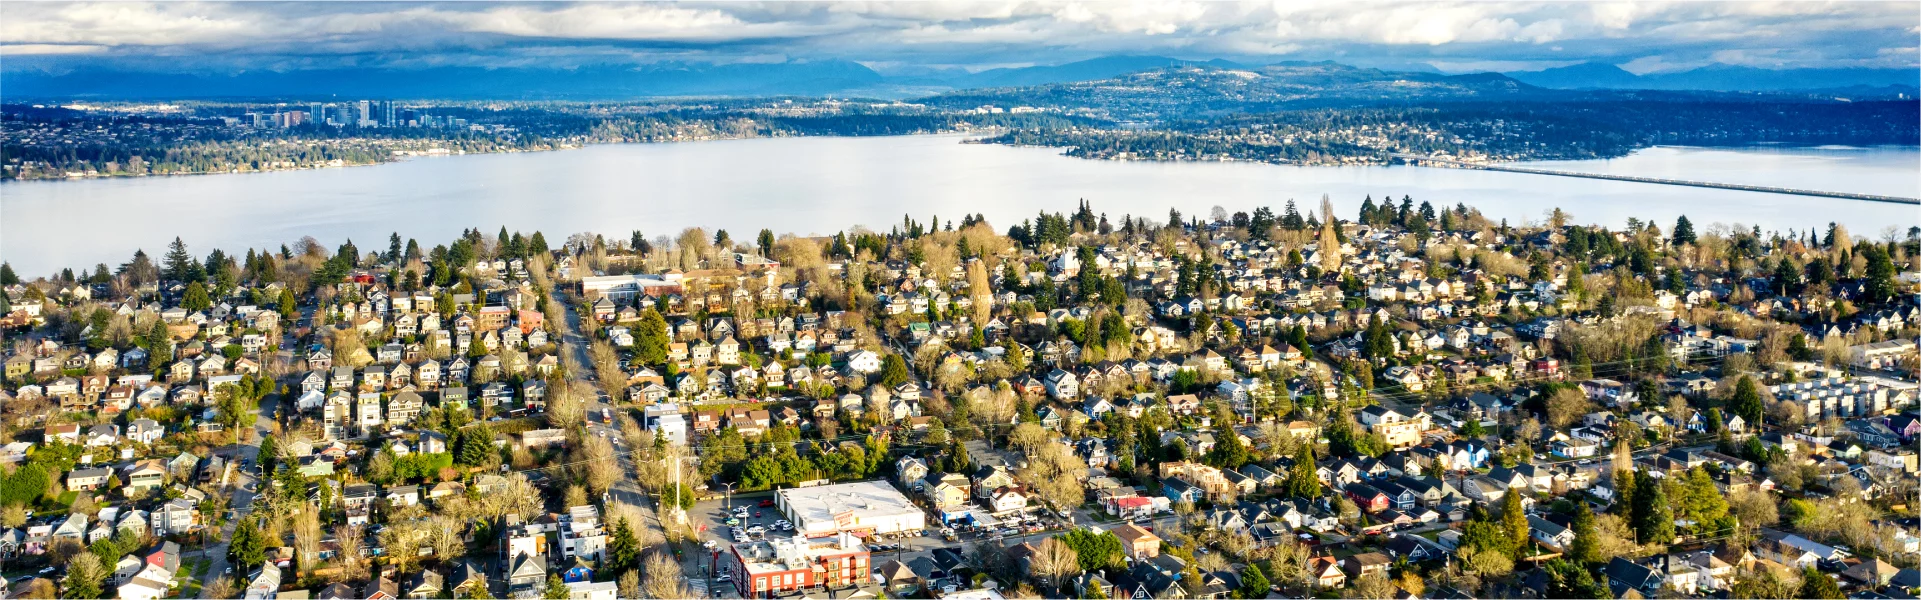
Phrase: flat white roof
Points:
(867, 502)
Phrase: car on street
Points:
(767, 504)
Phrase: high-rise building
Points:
(343, 115)
(366, 114)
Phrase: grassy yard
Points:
(191, 570)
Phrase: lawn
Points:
(191, 571)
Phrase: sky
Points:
(916, 37)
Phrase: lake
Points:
(820, 185)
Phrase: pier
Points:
(1461, 164)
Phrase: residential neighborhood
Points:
(1412, 402)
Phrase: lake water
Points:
(822, 185)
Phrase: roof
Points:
(1132, 533)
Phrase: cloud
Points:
(221, 35)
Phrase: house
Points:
(1548, 533)
(1326, 572)
(88, 479)
(145, 431)
(1137, 542)
(146, 475)
(1624, 576)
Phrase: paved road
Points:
(627, 490)
(240, 481)
(238, 485)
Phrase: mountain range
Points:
(839, 78)
(1726, 78)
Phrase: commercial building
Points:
(861, 508)
(623, 287)
(783, 566)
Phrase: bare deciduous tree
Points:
(663, 577)
(1054, 561)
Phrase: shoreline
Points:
(977, 138)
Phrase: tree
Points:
(628, 584)
(1566, 405)
(1653, 518)
(651, 338)
(1584, 550)
(1054, 474)
(1054, 561)
(85, 573)
(1228, 452)
(1514, 522)
(1302, 481)
(1486, 563)
(1096, 550)
(248, 547)
(179, 264)
(1683, 231)
(623, 549)
(1373, 586)
(1747, 401)
(1254, 583)
(555, 590)
(893, 371)
(195, 299)
(1568, 579)
(7, 276)
(663, 577)
(1815, 584)
(766, 241)
(1880, 285)
(1329, 243)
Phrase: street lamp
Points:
(730, 495)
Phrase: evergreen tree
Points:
(1584, 550)
(288, 305)
(1817, 585)
(556, 590)
(7, 276)
(249, 545)
(1880, 285)
(1568, 579)
(196, 298)
(1302, 482)
(651, 337)
(1254, 584)
(1683, 231)
(1514, 522)
(623, 549)
(1624, 486)
(1228, 452)
(1747, 401)
(1653, 518)
(159, 345)
(179, 265)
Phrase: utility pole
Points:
(680, 516)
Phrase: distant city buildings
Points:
(367, 114)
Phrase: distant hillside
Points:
(1196, 91)
(1719, 78)
(608, 82)
(1097, 68)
